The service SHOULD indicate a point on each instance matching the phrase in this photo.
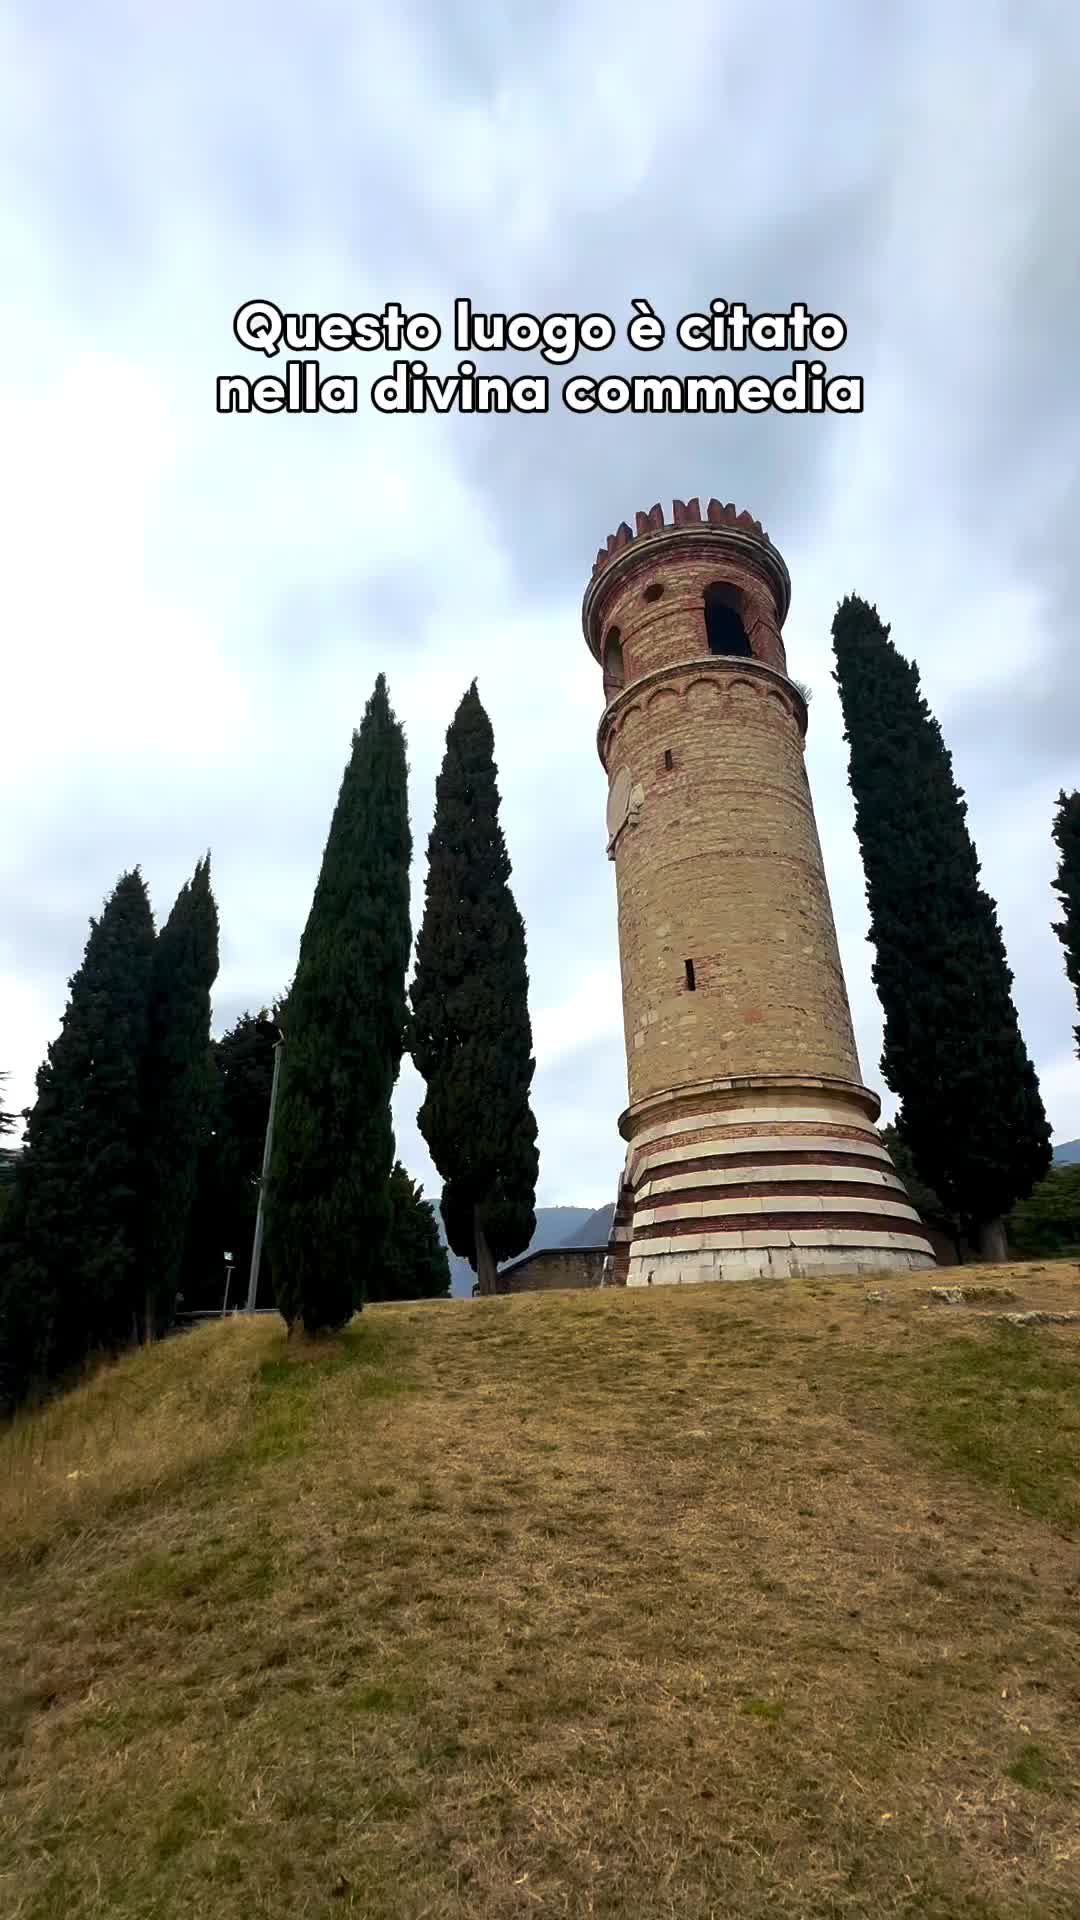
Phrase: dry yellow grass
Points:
(704, 1602)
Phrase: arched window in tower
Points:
(724, 629)
(614, 669)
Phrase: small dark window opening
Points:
(691, 983)
(614, 668)
(723, 626)
(653, 592)
(668, 761)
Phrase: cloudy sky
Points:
(195, 607)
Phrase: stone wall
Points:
(553, 1268)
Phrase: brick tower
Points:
(752, 1148)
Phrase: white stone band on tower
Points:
(752, 1148)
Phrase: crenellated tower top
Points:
(721, 526)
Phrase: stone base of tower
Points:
(707, 1266)
(763, 1179)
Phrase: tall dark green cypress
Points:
(8, 1155)
(971, 1112)
(415, 1266)
(1066, 831)
(471, 1037)
(928, 1205)
(176, 1090)
(69, 1252)
(202, 1268)
(328, 1202)
(230, 1163)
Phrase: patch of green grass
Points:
(764, 1709)
(219, 1576)
(377, 1700)
(1032, 1769)
(194, 1813)
(113, 1727)
(366, 1345)
(287, 1385)
(1003, 1407)
(18, 1709)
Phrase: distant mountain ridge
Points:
(1067, 1154)
(595, 1231)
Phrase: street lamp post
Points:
(256, 1245)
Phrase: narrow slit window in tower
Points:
(668, 760)
(691, 983)
(724, 629)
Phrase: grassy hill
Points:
(700, 1602)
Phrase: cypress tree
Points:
(971, 1112)
(928, 1205)
(8, 1155)
(176, 1089)
(68, 1260)
(245, 1064)
(202, 1270)
(471, 1038)
(1066, 831)
(328, 1201)
(230, 1162)
(415, 1266)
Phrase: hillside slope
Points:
(699, 1602)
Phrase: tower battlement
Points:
(684, 513)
